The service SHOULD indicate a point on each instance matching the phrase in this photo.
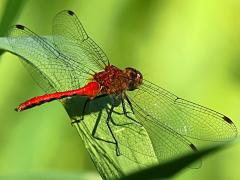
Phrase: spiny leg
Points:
(119, 124)
(96, 126)
(129, 102)
(84, 110)
(118, 113)
(124, 106)
(125, 111)
(122, 96)
(87, 101)
(109, 128)
(83, 113)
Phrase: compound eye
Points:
(133, 75)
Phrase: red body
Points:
(90, 90)
(110, 80)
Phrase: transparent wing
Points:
(39, 78)
(134, 142)
(167, 143)
(67, 63)
(71, 38)
(160, 109)
(45, 59)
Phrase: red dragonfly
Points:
(65, 64)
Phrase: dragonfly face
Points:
(135, 78)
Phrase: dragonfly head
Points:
(135, 78)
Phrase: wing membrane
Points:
(71, 38)
(67, 61)
(160, 107)
(44, 58)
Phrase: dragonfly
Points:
(72, 64)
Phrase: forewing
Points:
(71, 38)
(45, 59)
(160, 107)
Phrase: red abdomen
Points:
(91, 90)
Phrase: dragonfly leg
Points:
(78, 120)
(129, 102)
(84, 109)
(85, 106)
(124, 109)
(108, 125)
(117, 124)
(125, 113)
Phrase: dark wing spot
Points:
(19, 26)
(70, 12)
(227, 120)
(193, 147)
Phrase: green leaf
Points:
(171, 168)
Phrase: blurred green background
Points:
(191, 48)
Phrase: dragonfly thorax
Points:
(115, 80)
